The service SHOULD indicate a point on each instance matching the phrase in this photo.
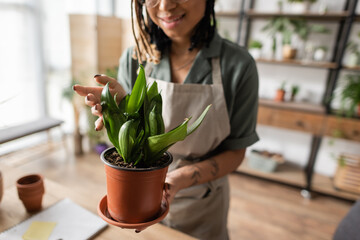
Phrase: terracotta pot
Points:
(280, 95)
(1, 186)
(288, 52)
(30, 191)
(134, 195)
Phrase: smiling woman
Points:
(193, 67)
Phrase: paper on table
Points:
(39, 231)
(72, 222)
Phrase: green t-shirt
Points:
(240, 82)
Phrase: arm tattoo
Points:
(196, 175)
(215, 166)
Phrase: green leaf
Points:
(127, 138)
(160, 143)
(137, 95)
(152, 91)
(198, 121)
(112, 117)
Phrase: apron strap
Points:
(216, 71)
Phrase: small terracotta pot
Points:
(1, 186)
(134, 195)
(30, 191)
(280, 95)
(288, 52)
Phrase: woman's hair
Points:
(152, 42)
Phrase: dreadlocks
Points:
(151, 41)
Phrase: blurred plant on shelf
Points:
(294, 91)
(286, 28)
(350, 95)
(300, 6)
(255, 47)
(280, 93)
(320, 53)
(354, 53)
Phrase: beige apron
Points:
(201, 210)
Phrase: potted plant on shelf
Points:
(354, 53)
(300, 6)
(288, 52)
(350, 95)
(255, 47)
(280, 93)
(294, 92)
(320, 53)
(136, 166)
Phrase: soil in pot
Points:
(114, 158)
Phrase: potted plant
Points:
(280, 93)
(294, 92)
(136, 166)
(301, 6)
(354, 53)
(288, 52)
(350, 95)
(255, 47)
(279, 29)
(320, 53)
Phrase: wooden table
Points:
(12, 210)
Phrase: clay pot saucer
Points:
(104, 214)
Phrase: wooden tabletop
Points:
(13, 212)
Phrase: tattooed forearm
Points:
(215, 167)
(196, 175)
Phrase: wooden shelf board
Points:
(227, 14)
(356, 68)
(299, 63)
(324, 184)
(301, 106)
(335, 16)
(287, 173)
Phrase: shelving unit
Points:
(316, 120)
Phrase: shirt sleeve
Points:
(243, 106)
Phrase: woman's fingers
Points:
(84, 91)
(91, 100)
(114, 85)
(99, 124)
(96, 110)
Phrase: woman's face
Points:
(178, 20)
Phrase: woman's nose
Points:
(166, 5)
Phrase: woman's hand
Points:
(93, 96)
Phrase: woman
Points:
(194, 67)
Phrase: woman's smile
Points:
(171, 21)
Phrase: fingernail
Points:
(97, 75)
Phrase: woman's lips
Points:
(171, 22)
